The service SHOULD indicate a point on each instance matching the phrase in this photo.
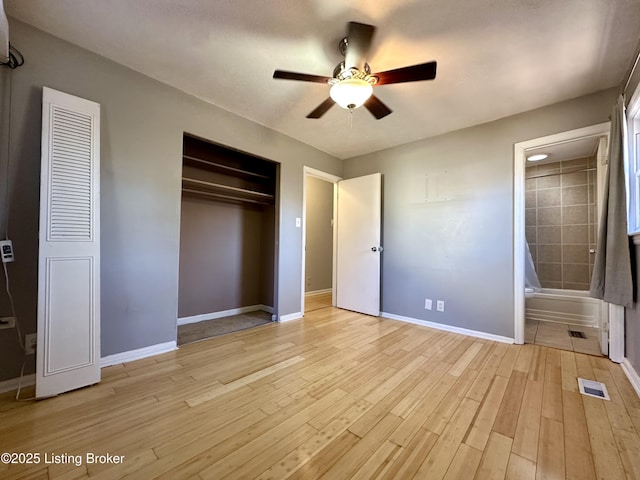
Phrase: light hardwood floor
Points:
(338, 395)
(556, 335)
(316, 302)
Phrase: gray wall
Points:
(319, 235)
(632, 321)
(10, 356)
(448, 215)
(143, 122)
(632, 315)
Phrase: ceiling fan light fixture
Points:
(352, 80)
(351, 93)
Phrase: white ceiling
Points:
(495, 57)
(580, 148)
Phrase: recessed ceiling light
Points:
(537, 157)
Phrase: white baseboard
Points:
(12, 384)
(224, 313)
(318, 292)
(631, 374)
(289, 317)
(449, 328)
(138, 354)
(9, 385)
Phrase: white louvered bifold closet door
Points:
(68, 348)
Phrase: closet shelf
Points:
(233, 193)
(224, 197)
(224, 168)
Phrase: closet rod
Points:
(226, 187)
(227, 197)
(225, 167)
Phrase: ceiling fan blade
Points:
(376, 107)
(359, 37)
(415, 73)
(303, 77)
(321, 109)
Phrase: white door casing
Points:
(68, 335)
(358, 244)
(602, 159)
(327, 177)
(520, 148)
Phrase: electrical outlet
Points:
(428, 304)
(440, 305)
(7, 322)
(30, 343)
(308, 283)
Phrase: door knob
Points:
(376, 249)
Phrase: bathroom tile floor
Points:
(556, 335)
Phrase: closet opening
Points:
(228, 230)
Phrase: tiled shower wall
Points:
(561, 221)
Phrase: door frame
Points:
(312, 172)
(520, 148)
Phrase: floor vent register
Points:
(593, 389)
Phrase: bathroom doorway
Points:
(318, 256)
(561, 180)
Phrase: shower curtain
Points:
(530, 275)
(612, 279)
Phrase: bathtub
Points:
(562, 306)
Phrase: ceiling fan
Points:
(352, 82)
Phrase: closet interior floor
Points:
(194, 332)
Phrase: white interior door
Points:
(358, 244)
(68, 336)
